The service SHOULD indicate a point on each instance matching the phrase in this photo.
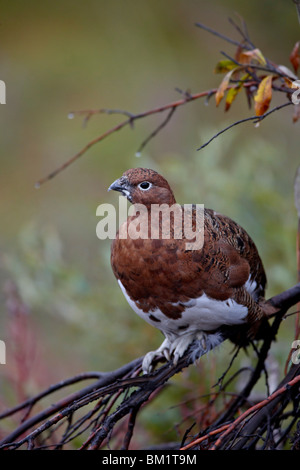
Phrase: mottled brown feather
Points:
(160, 272)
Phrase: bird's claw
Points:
(163, 352)
(174, 350)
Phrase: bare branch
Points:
(254, 119)
(100, 421)
(132, 118)
(222, 36)
(243, 32)
(260, 405)
(250, 68)
(157, 130)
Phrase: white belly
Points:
(200, 314)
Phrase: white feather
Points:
(250, 285)
(200, 314)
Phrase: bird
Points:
(192, 296)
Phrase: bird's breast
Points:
(198, 314)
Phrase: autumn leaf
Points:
(290, 84)
(223, 87)
(286, 71)
(238, 52)
(232, 92)
(263, 96)
(295, 57)
(296, 114)
(225, 66)
(254, 55)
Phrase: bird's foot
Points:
(173, 350)
(163, 352)
(182, 343)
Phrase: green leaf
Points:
(225, 66)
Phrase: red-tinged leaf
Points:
(296, 115)
(238, 52)
(263, 96)
(290, 83)
(295, 56)
(225, 66)
(253, 56)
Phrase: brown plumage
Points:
(189, 294)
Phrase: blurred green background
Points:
(58, 57)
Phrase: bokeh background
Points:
(61, 310)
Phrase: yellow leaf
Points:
(232, 92)
(263, 96)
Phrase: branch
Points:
(255, 119)
(225, 38)
(106, 379)
(250, 67)
(125, 385)
(276, 395)
(156, 131)
(131, 119)
(266, 408)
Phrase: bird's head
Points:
(144, 186)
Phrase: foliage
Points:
(76, 297)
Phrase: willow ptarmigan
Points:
(190, 295)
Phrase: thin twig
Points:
(121, 125)
(156, 131)
(222, 36)
(205, 437)
(53, 388)
(106, 378)
(119, 385)
(220, 379)
(253, 409)
(244, 33)
(254, 119)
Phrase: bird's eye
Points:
(145, 185)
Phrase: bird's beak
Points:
(116, 186)
(121, 185)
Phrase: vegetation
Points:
(62, 310)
